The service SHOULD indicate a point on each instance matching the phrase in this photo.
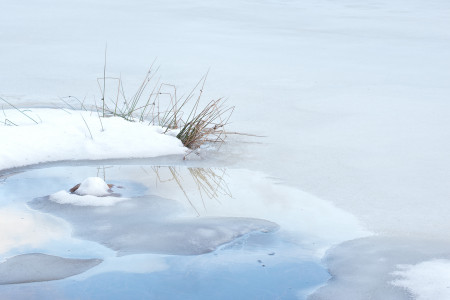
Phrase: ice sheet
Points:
(141, 225)
(158, 218)
(365, 268)
(352, 95)
(425, 280)
(34, 267)
(20, 228)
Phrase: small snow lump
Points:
(94, 186)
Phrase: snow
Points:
(62, 135)
(94, 186)
(425, 280)
(63, 197)
(366, 267)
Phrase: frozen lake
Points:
(351, 96)
(210, 232)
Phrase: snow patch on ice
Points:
(367, 268)
(93, 191)
(80, 135)
(425, 280)
(63, 197)
(94, 186)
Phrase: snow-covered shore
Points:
(61, 135)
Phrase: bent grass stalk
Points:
(22, 112)
(87, 126)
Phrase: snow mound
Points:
(93, 191)
(63, 197)
(94, 186)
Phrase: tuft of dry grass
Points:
(206, 126)
(158, 104)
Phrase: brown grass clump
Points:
(161, 106)
(207, 126)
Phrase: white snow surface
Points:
(93, 191)
(426, 280)
(63, 197)
(63, 135)
(94, 186)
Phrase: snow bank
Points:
(64, 135)
(426, 280)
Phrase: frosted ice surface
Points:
(151, 225)
(365, 268)
(35, 267)
(426, 280)
(94, 186)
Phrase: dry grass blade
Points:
(210, 183)
(22, 112)
(178, 181)
(7, 122)
(87, 127)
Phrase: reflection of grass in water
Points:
(209, 183)
(102, 169)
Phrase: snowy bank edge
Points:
(64, 137)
